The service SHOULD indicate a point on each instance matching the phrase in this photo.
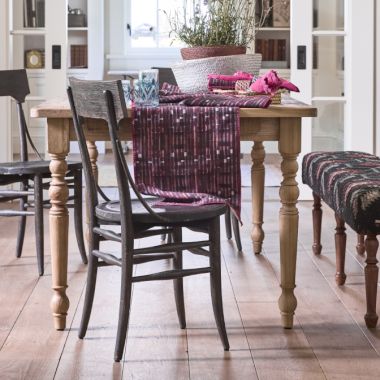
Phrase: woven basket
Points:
(198, 52)
(191, 76)
(276, 98)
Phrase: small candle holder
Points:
(145, 89)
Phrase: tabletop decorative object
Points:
(271, 84)
(146, 88)
(214, 28)
(192, 75)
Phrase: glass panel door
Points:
(328, 79)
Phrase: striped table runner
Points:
(188, 155)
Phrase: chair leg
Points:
(371, 277)
(227, 219)
(124, 308)
(317, 224)
(235, 226)
(216, 282)
(360, 246)
(92, 272)
(78, 216)
(340, 250)
(39, 222)
(178, 283)
(21, 229)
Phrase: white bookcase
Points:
(273, 38)
(47, 82)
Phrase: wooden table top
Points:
(60, 108)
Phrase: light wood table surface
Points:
(280, 123)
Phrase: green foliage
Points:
(216, 22)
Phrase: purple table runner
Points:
(188, 155)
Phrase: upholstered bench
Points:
(348, 182)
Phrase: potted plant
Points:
(215, 27)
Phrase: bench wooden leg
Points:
(371, 277)
(317, 225)
(340, 250)
(360, 247)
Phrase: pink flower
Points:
(270, 83)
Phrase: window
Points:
(147, 24)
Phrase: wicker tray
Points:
(191, 76)
(276, 98)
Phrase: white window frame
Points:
(146, 52)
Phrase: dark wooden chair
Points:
(136, 218)
(31, 174)
(165, 74)
(348, 182)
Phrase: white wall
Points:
(377, 78)
(5, 137)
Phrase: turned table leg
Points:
(58, 147)
(93, 153)
(289, 147)
(257, 186)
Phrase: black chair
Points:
(165, 74)
(136, 219)
(30, 175)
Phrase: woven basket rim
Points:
(211, 59)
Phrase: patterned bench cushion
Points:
(349, 182)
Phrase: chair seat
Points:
(349, 182)
(110, 212)
(32, 167)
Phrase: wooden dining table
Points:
(280, 123)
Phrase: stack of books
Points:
(34, 13)
(271, 49)
(78, 56)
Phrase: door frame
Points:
(359, 128)
(5, 141)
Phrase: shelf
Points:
(73, 70)
(35, 98)
(35, 73)
(28, 32)
(274, 29)
(78, 29)
(329, 33)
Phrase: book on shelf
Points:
(271, 49)
(78, 56)
(34, 13)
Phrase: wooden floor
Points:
(329, 339)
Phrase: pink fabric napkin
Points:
(270, 83)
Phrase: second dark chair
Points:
(30, 175)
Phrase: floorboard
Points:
(329, 339)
